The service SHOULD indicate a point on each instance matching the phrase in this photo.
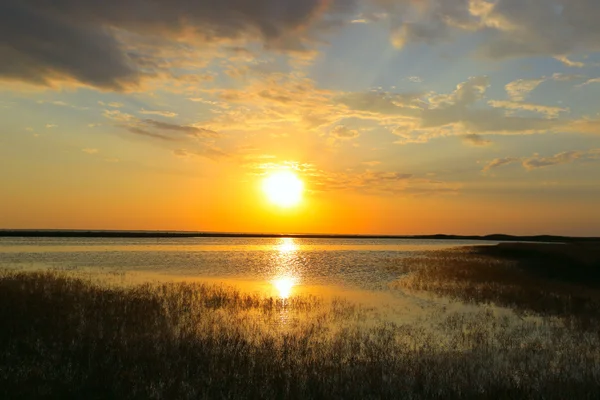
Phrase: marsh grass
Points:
(67, 337)
(554, 280)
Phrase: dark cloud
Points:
(38, 45)
(529, 28)
(44, 41)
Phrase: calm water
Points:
(285, 264)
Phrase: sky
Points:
(399, 116)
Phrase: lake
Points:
(357, 269)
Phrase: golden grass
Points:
(65, 337)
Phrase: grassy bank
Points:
(65, 337)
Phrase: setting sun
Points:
(283, 188)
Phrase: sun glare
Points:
(284, 286)
(283, 188)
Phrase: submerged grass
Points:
(65, 337)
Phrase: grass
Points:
(555, 280)
(66, 337)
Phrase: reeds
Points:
(512, 277)
(65, 337)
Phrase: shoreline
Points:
(51, 233)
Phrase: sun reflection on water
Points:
(286, 277)
(287, 245)
(284, 286)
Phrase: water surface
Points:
(348, 263)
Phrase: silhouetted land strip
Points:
(67, 338)
(549, 279)
(169, 234)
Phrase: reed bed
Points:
(67, 337)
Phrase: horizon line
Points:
(118, 233)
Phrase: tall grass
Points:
(64, 337)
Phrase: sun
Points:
(283, 188)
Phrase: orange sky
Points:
(399, 118)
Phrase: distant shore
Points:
(172, 234)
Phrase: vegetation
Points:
(68, 337)
(556, 280)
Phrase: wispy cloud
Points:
(167, 114)
(570, 63)
(499, 162)
(549, 111)
(590, 81)
(111, 104)
(537, 161)
(188, 129)
(518, 90)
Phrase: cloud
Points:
(381, 102)
(188, 129)
(120, 44)
(111, 104)
(533, 28)
(367, 18)
(581, 126)
(167, 114)
(570, 63)
(508, 28)
(207, 151)
(90, 151)
(476, 140)
(117, 115)
(499, 162)
(342, 132)
(291, 103)
(565, 157)
(200, 140)
(518, 90)
(560, 77)
(549, 111)
(143, 132)
(367, 182)
(590, 81)
(537, 161)
(90, 42)
(50, 126)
